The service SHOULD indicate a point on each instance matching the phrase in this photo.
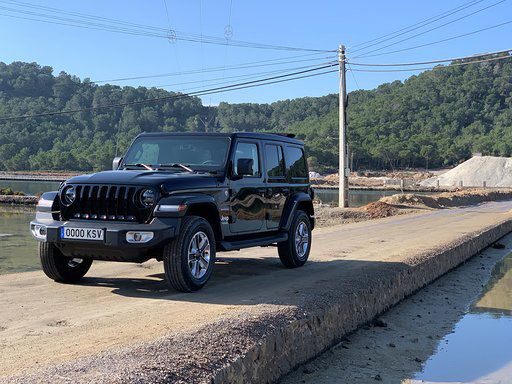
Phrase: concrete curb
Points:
(300, 340)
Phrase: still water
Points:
(30, 187)
(480, 348)
(18, 250)
(356, 198)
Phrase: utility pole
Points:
(343, 160)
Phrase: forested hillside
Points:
(436, 118)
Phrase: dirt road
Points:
(43, 323)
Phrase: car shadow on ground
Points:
(153, 286)
(247, 281)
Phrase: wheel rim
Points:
(199, 255)
(75, 262)
(301, 239)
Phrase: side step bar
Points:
(254, 242)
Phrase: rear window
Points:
(275, 161)
(296, 163)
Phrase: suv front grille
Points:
(106, 202)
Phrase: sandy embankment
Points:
(401, 204)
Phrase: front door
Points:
(247, 193)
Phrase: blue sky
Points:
(102, 55)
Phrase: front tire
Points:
(294, 252)
(59, 267)
(189, 259)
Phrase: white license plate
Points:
(81, 233)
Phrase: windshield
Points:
(200, 153)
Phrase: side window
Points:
(249, 153)
(275, 161)
(296, 163)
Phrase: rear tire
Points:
(189, 258)
(59, 267)
(294, 252)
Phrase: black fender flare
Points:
(197, 204)
(291, 207)
(182, 203)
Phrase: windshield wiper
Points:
(176, 165)
(139, 165)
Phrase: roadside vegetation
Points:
(438, 118)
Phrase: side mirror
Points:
(244, 167)
(116, 162)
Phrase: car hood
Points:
(168, 181)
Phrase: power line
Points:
(247, 84)
(82, 15)
(431, 29)
(430, 61)
(438, 41)
(413, 27)
(228, 32)
(435, 68)
(353, 75)
(240, 77)
(254, 64)
(171, 35)
(76, 19)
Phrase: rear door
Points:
(248, 193)
(296, 169)
(277, 186)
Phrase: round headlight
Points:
(68, 195)
(147, 197)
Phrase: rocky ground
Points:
(18, 200)
(382, 180)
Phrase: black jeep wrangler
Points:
(180, 198)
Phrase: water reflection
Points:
(356, 198)
(479, 350)
(30, 187)
(497, 297)
(18, 250)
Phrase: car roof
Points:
(245, 135)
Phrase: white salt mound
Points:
(494, 171)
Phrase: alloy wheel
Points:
(199, 255)
(301, 240)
